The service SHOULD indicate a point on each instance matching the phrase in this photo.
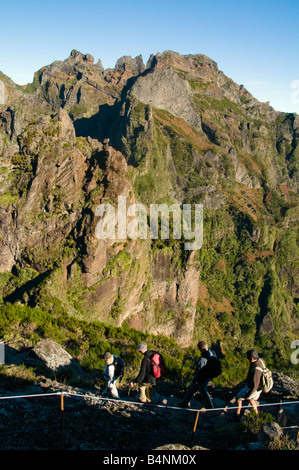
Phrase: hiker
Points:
(208, 367)
(252, 390)
(112, 374)
(145, 379)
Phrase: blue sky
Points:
(255, 43)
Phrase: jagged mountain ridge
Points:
(179, 130)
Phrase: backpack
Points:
(266, 379)
(158, 365)
(210, 370)
(119, 368)
(214, 367)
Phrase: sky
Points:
(254, 42)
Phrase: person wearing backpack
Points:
(146, 378)
(253, 388)
(207, 368)
(112, 374)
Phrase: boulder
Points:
(269, 432)
(55, 358)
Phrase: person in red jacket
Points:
(252, 390)
(145, 379)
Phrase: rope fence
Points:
(63, 394)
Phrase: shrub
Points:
(254, 422)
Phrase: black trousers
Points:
(201, 387)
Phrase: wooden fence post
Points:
(195, 426)
(62, 419)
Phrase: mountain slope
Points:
(178, 131)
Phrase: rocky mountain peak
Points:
(136, 65)
(78, 56)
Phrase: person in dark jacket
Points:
(145, 379)
(252, 390)
(202, 377)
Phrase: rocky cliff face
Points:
(175, 130)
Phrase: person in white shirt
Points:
(109, 375)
